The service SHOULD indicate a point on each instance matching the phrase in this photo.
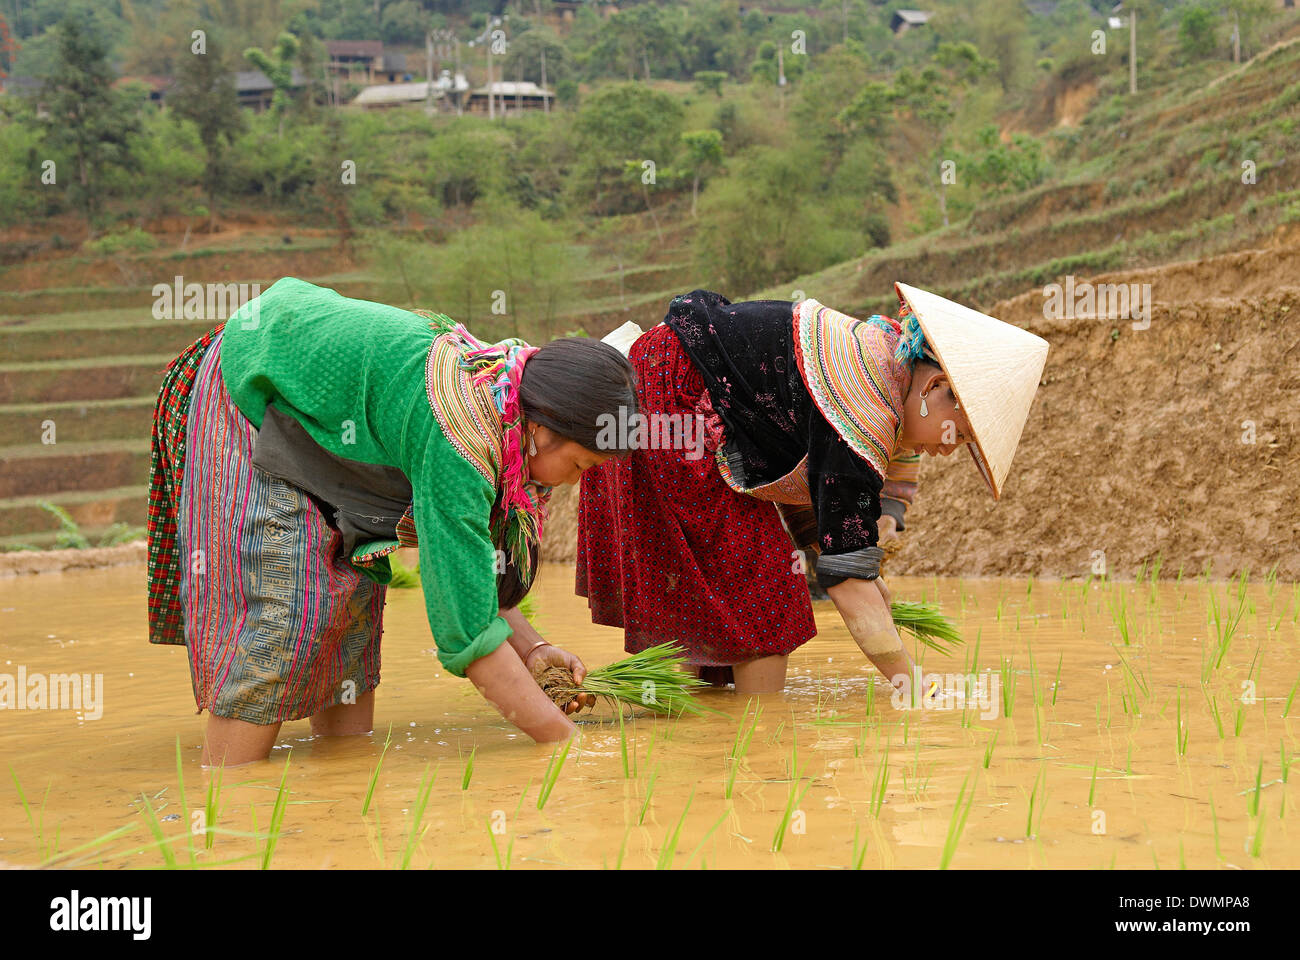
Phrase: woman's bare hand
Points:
(554, 656)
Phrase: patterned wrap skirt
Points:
(278, 624)
(668, 552)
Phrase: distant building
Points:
(355, 60)
(510, 97)
(19, 86)
(255, 89)
(158, 86)
(904, 20)
(396, 68)
(447, 93)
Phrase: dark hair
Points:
(574, 385)
(511, 589)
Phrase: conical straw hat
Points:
(994, 369)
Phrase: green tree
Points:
(703, 156)
(706, 80)
(930, 99)
(624, 123)
(205, 95)
(86, 119)
(1196, 31)
(279, 70)
(538, 55)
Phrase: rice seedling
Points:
(1092, 788)
(48, 847)
(469, 770)
(496, 851)
(669, 849)
(1214, 713)
(652, 679)
(1056, 684)
(1181, 732)
(210, 807)
(417, 832)
(1119, 615)
(277, 816)
(859, 854)
(553, 768)
(880, 783)
(957, 823)
(522, 795)
(1037, 797)
(793, 798)
(708, 833)
(988, 750)
(1136, 679)
(185, 807)
(1226, 622)
(649, 792)
(926, 625)
(1008, 686)
(1290, 697)
(374, 775)
(1254, 800)
(740, 746)
(1257, 841)
(622, 849)
(622, 744)
(163, 844)
(1241, 720)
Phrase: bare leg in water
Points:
(237, 741)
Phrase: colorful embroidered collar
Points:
(858, 372)
(499, 367)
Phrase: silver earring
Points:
(532, 445)
(925, 411)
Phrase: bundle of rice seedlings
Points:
(652, 679)
(924, 622)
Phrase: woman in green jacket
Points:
(302, 442)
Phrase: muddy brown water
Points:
(1150, 804)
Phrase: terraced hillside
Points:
(1158, 179)
(1152, 181)
(81, 349)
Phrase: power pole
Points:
(546, 101)
(428, 71)
(1132, 51)
(780, 74)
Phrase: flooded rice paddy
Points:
(1108, 725)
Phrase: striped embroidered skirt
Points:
(667, 551)
(278, 624)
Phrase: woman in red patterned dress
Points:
(804, 407)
